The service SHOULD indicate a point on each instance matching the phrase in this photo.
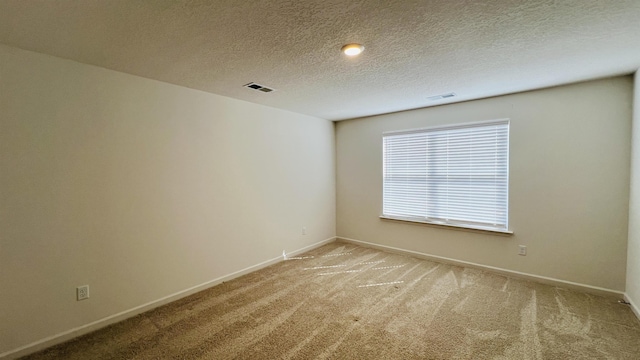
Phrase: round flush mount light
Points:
(352, 49)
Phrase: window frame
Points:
(462, 225)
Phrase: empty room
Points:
(350, 179)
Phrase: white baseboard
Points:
(112, 319)
(537, 278)
(633, 306)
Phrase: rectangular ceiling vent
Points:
(259, 87)
(442, 96)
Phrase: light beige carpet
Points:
(342, 301)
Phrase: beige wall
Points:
(569, 183)
(141, 189)
(633, 252)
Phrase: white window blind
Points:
(455, 175)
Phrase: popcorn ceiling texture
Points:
(414, 49)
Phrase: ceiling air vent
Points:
(442, 96)
(259, 87)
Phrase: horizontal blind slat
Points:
(457, 173)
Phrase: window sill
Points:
(451, 226)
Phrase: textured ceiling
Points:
(414, 49)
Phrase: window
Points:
(454, 175)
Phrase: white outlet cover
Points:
(82, 292)
(522, 250)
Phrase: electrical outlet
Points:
(304, 230)
(522, 250)
(82, 292)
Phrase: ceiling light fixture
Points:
(352, 49)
